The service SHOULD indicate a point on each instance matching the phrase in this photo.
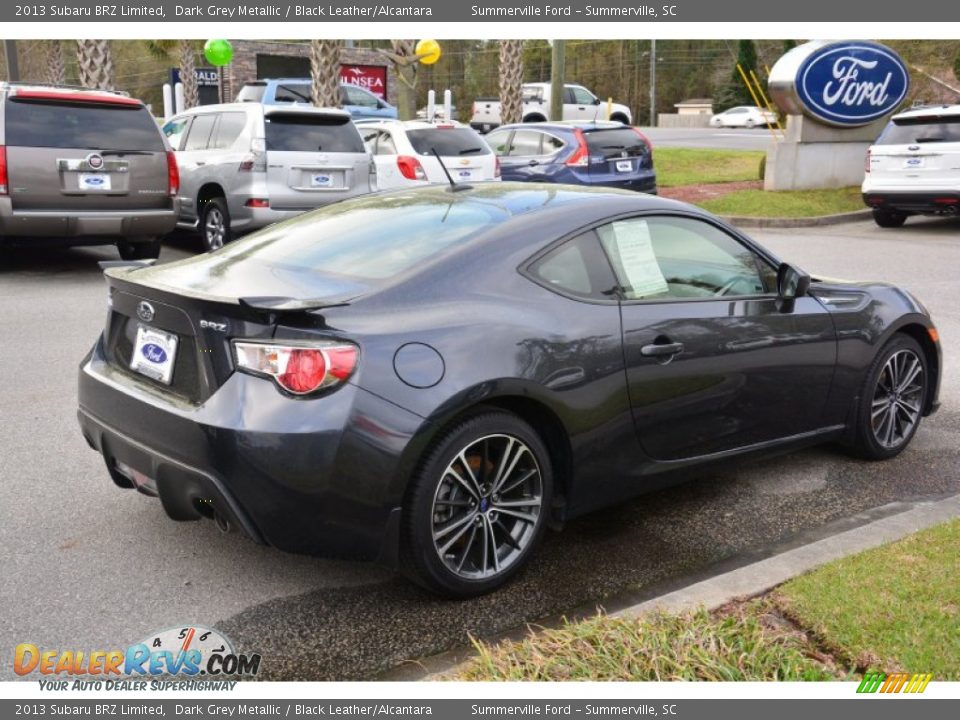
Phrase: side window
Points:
(524, 143)
(497, 140)
(582, 96)
(175, 130)
(299, 93)
(578, 267)
(386, 145)
(369, 137)
(568, 95)
(359, 97)
(551, 144)
(674, 257)
(228, 129)
(200, 131)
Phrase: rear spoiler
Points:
(107, 264)
(282, 305)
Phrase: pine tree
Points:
(735, 92)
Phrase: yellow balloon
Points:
(429, 51)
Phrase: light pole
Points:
(10, 51)
(653, 83)
(557, 62)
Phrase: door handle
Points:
(533, 163)
(661, 350)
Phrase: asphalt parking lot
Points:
(88, 566)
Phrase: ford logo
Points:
(154, 353)
(845, 84)
(94, 180)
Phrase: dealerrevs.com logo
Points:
(190, 652)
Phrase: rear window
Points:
(920, 130)
(448, 142)
(71, 125)
(368, 238)
(295, 93)
(307, 133)
(252, 93)
(613, 143)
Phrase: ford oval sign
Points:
(845, 84)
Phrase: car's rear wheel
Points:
(892, 399)
(139, 249)
(478, 506)
(750, 124)
(889, 218)
(215, 224)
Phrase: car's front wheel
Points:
(892, 399)
(889, 218)
(478, 506)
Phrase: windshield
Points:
(91, 127)
(448, 142)
(906, 131)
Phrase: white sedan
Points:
(403, 152)
(747, 116)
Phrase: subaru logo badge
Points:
(95, 161)
(145, 311)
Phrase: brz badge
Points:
(145, 311)
(210, 325)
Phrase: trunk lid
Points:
(65, 152)
(617, 152)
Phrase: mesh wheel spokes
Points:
(486, 506)
(897, 399)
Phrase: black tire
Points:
(618, 117)
(534, 119)
(876, 438)
(448, 530)
(139, 249)
(889, 218)
(214, 224)
(750, 124)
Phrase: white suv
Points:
(914, 166)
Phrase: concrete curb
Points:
(820, 221)
(759, 577)
(746, 581)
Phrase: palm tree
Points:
(511, 81)
(95, 61)
(56, 71)
(186, 60)
(405, 62)
(325, 72)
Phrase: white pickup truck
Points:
(578, 104)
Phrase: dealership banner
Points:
(462, 709)
(534, 11)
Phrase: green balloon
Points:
(218, 52)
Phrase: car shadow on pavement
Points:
(358, 632)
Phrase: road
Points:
(88, 566)
(716, 138)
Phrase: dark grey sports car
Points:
(431, 377)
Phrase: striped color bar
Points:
(894, 683)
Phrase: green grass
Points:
(747, 643)
(692, 166)
(893, 608)
(787, 203)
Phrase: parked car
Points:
(429, 377)
(246, 165)
(81, 167)
(579, 153)
(403, 152)
(360, 103)
(914, 166)
(578, 104)
(745, 116)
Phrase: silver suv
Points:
(83, 167)
(246, 165)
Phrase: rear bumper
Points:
(926, 202)
(316, 476)
(107, 224)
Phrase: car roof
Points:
(68, 92)
(409, 124)
(568, 125)
(303, 109)
(931, 111)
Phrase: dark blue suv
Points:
(579, 153)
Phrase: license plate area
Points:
(93, 182)
(624, 166)
(154, 354)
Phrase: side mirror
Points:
(792, 282)
(597, 101)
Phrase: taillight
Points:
(496, 167)
(410, 168)
(173, 174)
(866, 162)
(258, 203)
(646, 141)
(300, 370)
(581, 156)
(3, 170)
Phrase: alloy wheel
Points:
(487, 506)
(897, 399)
(214, 228)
